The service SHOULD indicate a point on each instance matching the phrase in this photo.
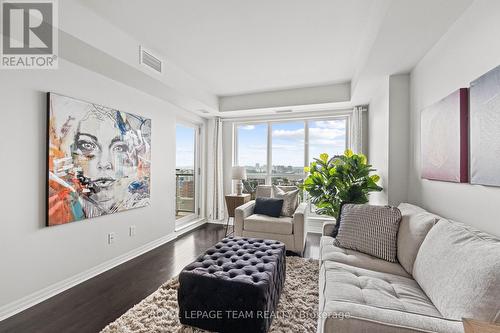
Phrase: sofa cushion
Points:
(328, 251)
(369, 229)
(263, 223)
(290, 200)
(340, 282)
(414, 226)
(268, 206)
(458, 267)
(263, 191)
(340, 317)
(408, 208)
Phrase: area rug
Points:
(297, 309)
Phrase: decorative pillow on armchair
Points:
(268, 206)
(290, 200)
(369, 229)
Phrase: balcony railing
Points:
(184, 194)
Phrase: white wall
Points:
(77, 19)
(34, 256)
(378, 139)
(36, 260)
(469, 49)
(399, 129)
(388, 137)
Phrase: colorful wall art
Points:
(98, 160)
(485, 129)
(444, 138)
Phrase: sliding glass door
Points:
(186, 173)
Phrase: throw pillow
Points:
(290, 200)
(370, 229)
(268, 206)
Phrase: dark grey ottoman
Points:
(234, 286)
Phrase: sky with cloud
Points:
(184, 154)
(288, 141)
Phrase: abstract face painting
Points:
(98, 160)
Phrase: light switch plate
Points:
(111, 237)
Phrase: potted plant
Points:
(340, 179)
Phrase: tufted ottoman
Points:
(234, 286)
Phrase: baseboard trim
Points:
(28, 301)
(223, 221)
(188, 226)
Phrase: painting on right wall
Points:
(443, 135)
(485, 129)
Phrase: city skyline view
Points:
(288, 142)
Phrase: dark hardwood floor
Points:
(90, 306)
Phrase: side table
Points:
(232, 202)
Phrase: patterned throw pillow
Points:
(290, 200)
(370, 229)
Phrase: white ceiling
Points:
(235, 47)
(238, 47)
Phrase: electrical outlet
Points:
(132, 230)
(111, 237)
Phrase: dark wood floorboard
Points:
(91, 305)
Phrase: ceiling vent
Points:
(147, 58)
(283, 111)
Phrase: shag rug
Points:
(297, 308)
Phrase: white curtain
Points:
(215, 189)
(357, 129)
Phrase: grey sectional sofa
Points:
(446, 271)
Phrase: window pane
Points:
(288, 149)
(327, 136)
(294, 180)
(252, 149)
(288, 153)
(185, 167)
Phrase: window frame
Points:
(181, 222)
(269, 122)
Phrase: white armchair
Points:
(289, 230)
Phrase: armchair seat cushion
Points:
(274, 225)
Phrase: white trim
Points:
(269, 160)
(315, 227)
(223, 222)
(28, 301)
(197, 175)
(189, 225)
(314, 223)
(290, 116)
